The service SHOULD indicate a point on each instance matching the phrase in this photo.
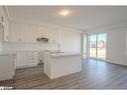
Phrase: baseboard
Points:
(26, 66)
(116, 63)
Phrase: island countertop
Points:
(60, 54)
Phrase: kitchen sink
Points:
(56, 52)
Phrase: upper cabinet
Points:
(47, 33)
(5, 24)
(1, 15)
(21, 32)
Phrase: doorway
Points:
(97, 46)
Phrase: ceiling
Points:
(80, 17)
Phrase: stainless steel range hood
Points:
(42, 39)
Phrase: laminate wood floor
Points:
(95, 75)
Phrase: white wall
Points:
(21, 46)
(68, 38)
(116, 47)
(85, 46)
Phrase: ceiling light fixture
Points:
(64, 12)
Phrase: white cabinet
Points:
(7, 66)
(1, 15)
(6, 29)
(43, 32)
(41, 57)
(28, 33)
(14, 33)
(4, 21)
(22, 33)
(54, 37)
(26, 59)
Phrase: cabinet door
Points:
(21, 60)
(6, 29)
(22, 32)
(28, 33)
(15, 32)
(27, 59)
(32, 58)
(41, 57)
(5, 23)
(54, 36)
(57, 37)
(42, 32)
(1, 14)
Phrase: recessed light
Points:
(64, 12)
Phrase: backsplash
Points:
(20, 46)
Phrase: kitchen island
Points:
(57, 64)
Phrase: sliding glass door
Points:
(92, 45)
(97, 46)
(101, 46)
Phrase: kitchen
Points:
(25, 42)
(63, 47)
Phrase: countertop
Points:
(54, 54)
(64, 54)
(7, 52)
(15, 52)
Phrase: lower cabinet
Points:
(41, 57)
(26, 59)
(7, 66)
